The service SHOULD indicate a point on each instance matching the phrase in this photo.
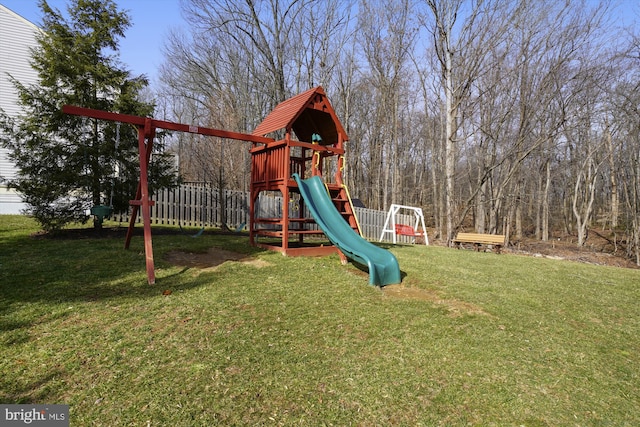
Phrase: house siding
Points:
(17, 38)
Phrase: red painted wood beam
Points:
(163, 124)
(145, 149)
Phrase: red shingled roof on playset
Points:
(284, 113)
(306, 113)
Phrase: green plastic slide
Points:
(383, 265)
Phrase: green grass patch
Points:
(468, 339)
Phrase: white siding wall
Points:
(17, 37)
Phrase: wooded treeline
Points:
(500, 116)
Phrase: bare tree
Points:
(461, 48)
(506, 99)
(259, 31)
(625, 118)
(321, 43)
(242, 58)
(386, 35)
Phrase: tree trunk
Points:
(615, 203)
(449, 147)
(481, 220)
(583, 206)
(545, 203)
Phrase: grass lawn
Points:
(468, 339)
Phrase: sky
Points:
(141, 49)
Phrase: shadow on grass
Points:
(34, 391)
(85, 265)
(13, 332)
(81, 268)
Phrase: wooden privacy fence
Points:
(198, 205)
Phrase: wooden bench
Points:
(478, 239)
(407, 230)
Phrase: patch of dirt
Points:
(456, 308)
(210, 259)
(601, 248)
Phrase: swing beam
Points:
(146, 133)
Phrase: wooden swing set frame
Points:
(146, 133)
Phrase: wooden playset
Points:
(311, 144)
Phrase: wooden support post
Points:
(145, 155)
(341, 163)
(132, 220)
(146, 134)
(284, 190)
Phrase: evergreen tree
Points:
(67, 164)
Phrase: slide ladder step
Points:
(340, 199)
